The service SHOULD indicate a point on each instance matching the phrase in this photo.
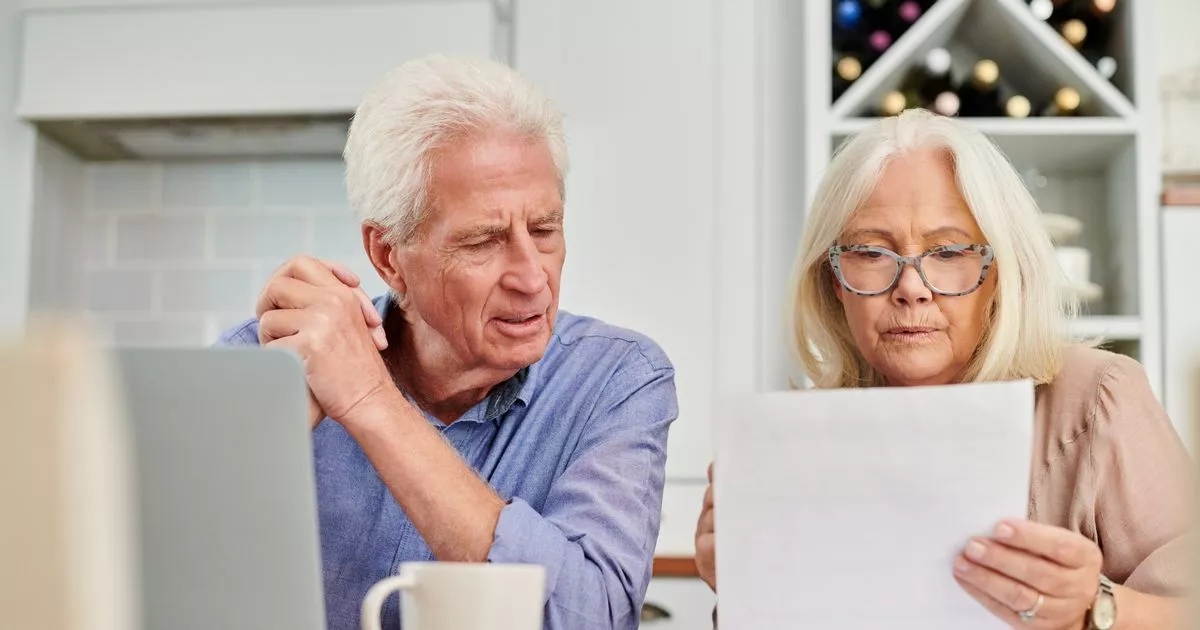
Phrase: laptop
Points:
(226, 490)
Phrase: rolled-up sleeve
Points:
(597, 529)
(245, 334)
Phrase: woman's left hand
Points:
(1022, 561)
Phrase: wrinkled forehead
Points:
(496, 174)
(916, 192)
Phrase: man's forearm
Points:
(452, 508)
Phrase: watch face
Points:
(1104, 614)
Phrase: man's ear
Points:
(383, 257)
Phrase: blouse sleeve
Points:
(1145, 484)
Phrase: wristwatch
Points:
(1103, 614)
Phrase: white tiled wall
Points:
(56, 280)
(174, 253)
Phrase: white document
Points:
(846, 508)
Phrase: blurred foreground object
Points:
(227, 508)
(67, 538)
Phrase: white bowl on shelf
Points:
(1061, 227)
(1086, 292)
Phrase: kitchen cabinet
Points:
(231, 60)
(688, 602)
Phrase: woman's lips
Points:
(910, 333)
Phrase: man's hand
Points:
(317, 309)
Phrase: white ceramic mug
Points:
(461, 596)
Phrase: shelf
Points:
(1055, 62)
(1061, 144)
(1003, 30)
(929, 32)
(1108, 328)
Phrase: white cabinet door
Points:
(682, 501)
(231, 60)
(1181, 302)
(652, 247)
(688, 601)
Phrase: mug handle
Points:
(372, 605)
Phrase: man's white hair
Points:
(421, 106)
(1025, 335)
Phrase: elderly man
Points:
(464, 417)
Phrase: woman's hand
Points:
(1022, 561)
(706, 538)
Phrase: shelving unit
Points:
(1108, 327)
(1101, 168)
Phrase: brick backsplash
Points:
(157, 237)
(121, 290)
(278, 235)
(151, 332)
(207, 186)
(302, 184)
(96, 240)
(123, 187)
(205, 289)
(175, 252)
(336, 236)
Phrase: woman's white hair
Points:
(421, 106)
(1025, 337)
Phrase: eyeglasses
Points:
(951, 270)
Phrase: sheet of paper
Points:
(846, 508)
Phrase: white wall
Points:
(1181, 228)
(637, 82)
(1178, 48)
(16, 180)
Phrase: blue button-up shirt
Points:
(576, 443)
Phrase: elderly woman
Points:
(924, 263)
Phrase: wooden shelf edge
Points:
(1107, 327)
(1181, 196)
(1007, 127)
(675, 566)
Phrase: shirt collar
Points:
(519, 388)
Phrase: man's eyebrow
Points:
(553, 217)
(550, 218)
(478, 231)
